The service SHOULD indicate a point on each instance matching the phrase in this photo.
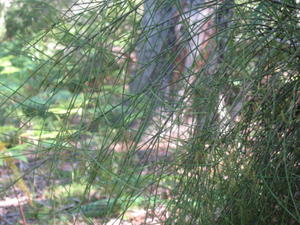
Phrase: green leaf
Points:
(100, 208)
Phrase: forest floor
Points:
(15, 204)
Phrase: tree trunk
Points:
(176, 41)
(154, 51)
(4, 4)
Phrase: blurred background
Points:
(149, 112)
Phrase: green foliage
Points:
(9, 144)
(29, 17)
(65, 96)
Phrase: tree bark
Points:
(154, 51)
(173, 45)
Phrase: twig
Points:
(286, 4)
(20, 207)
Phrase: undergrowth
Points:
(221, 147)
